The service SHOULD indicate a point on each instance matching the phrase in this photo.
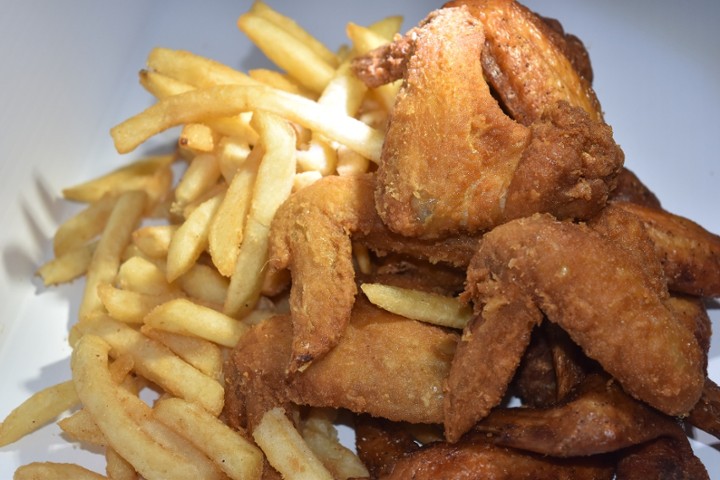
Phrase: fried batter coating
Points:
(385, 365)
(629, 188)
(526, 61)
(689, 254)
(445, 119)
(706, 413)
(475, 458)
(311, 235)
(597, 292)
(661, 458)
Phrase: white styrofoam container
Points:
(69, 74)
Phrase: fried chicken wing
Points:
(311, 236)
(446, 119)
(598, 292)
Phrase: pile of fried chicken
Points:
(499, 182)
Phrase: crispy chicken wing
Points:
(598, 292)
(446, 119)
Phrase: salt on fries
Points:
(164, 301)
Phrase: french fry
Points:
(226, 230)
(39, 409)
(68, 266)
(108, 405)
(191, 239)
(287, 51)
(81, 427)
(138, 274)
(201, 354)
(232, 154)
(418, 305)
(115, 237)
(197, 138)
(55, 471)
(228, 100)
(157, 363)
(148, 174)
(204, 284)
(320, 434)
(272, 186)
(154, 240)
(188, 318)
(201, 174)
(387, 27)
(239, 458)
(278, 80)
(289, 25)
(117, 468)
(128, 306)
(195, 70)
(83, 226)
(162, 86)
(286, 450)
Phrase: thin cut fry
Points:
(68, 266)
(239, 458)
(287, 51)
(55, 471)
(83, 226)
(286, 450)
(154, 240)
(157, 363)
(272, 186)
(115, 237)
(117, 468)
(39, 409)
(128, 306)
(228, 100)
(188, 318)
(201, 354)
(201, 174)
(418, 305)
(81, 427)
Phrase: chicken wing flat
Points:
(446, 119)
(594, 290)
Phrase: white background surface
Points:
(69, 74)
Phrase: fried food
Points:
(597, 292)
(384, 365)
(311, 236)
(494, 168)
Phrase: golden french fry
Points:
(55, 471)
(157, 363)
(115, 237)
(68, 266)
(194, 69)
(128, 306)
(83, 226)
(387, 27)
(138, 175)
(288, 52)
(278, 80)
(286, 450)
(350, 163)
(289, 25)
(364, 40)
(228, 100)
(232, 154)
(191, 238)
(304, 179)
(201, 354)
(117, 468)
(108, 405)
(321, 436)
(423, 306)
(138, 274)
(272, 186)
(197, 138)
(204, 284)
(162, 86)
(154, 240)
(81, 427)
(239, 458)
(188, 318)
(201, 174)
(39, 409)
(226, 230)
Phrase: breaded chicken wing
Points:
(446, 119)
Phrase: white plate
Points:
(69, 74)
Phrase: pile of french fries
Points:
(174, 268)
